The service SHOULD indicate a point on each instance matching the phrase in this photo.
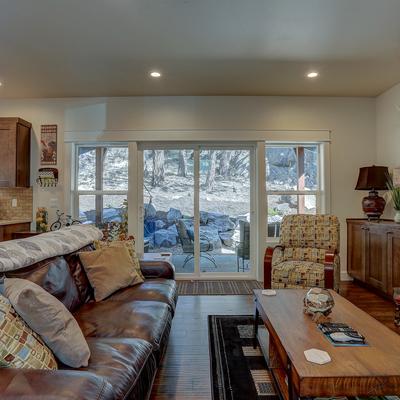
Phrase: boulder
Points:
(203, 217)
(227, 238)
(159, 224)
(162, 215)
(164, 238)
(173, 215)
(149, 211)
(211, 233)
(173, 230)
(222, 223)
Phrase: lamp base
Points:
(373, 205)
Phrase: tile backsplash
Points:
(23, 210)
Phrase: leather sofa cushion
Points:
(79, 275)
(122, 362)
(148, 320)
(35, 384)
(55, 277)
(164, 290)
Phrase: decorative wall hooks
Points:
(48, 177)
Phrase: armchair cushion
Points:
(315, 231)
(298, 274)
(304, 254)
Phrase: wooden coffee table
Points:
(354, 371)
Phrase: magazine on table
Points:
(340, 334)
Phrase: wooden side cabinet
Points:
(373, 253)
(7, 231)
(15, 152)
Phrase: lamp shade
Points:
(372, 178)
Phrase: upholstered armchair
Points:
(307, 254)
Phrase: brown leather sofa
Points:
(127, 334)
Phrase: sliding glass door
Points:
(168, 196)
(224, 210)
(197, 205)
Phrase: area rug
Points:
(190, 288)
(238, 372)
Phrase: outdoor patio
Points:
(224, 263)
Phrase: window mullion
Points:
(300, 179)
(99, 185)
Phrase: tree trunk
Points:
(224, 163)
(210, 180)
(158, 168)
(182, 164)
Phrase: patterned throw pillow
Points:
(20, 347)
(129, 244)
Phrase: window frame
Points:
(98, 192)
(320, 193)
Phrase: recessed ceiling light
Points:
(312, 74)
(1, 84)
(155, 74)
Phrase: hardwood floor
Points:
(185, 370)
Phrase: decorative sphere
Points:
(318, 302)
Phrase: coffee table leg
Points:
(255, 328)
(291, 390)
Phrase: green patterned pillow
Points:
(20, 347)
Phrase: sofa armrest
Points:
(269, 253)
(62, 385)
(329, 270)
(157, 269)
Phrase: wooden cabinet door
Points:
(8, 230)
(376, 274)
(393, 260)
(23, 160)
(7, 155)
(356, 250)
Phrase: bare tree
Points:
(158, 168)
(239, 163)
(182, 164)
(210, 179)
(225, 156)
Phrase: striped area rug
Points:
(190, 288)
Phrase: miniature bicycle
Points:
(63, 220)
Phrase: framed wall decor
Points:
(48, 145)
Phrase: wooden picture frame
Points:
(48, 145)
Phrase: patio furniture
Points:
(187, 243)
(307, 254)
(243, 247)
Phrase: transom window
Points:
(101, 183)
(293, 182)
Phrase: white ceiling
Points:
(63, 48)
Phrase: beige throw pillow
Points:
(129, 244)
(20, 347)
(109, 269)
(50, 319)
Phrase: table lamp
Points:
(373, 178)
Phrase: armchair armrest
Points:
(62, 384)
(269, 253)
(157, 269)
(329, 269)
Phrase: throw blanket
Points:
(15, 254)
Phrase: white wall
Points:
(388, 132)
(351, 120)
